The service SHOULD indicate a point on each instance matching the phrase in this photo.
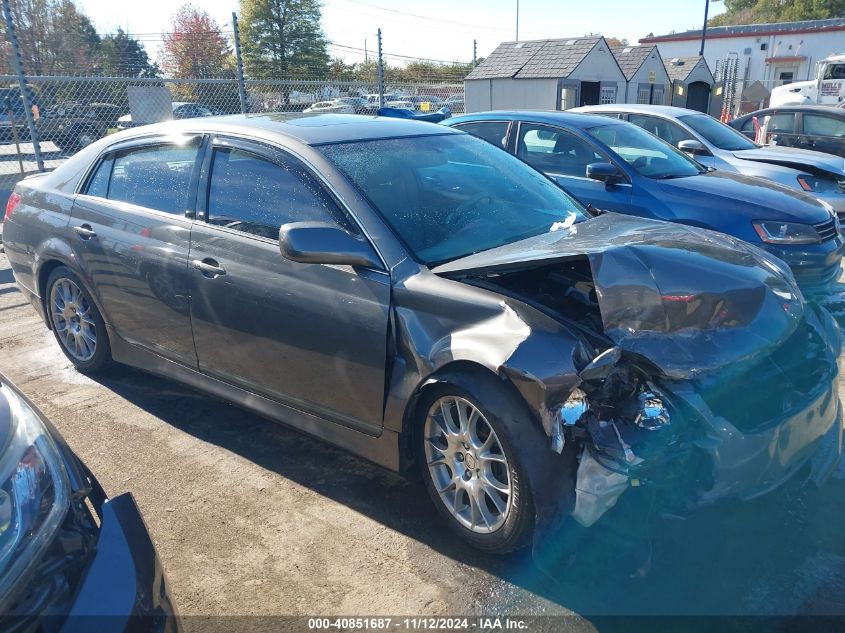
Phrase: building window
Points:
(764, 46)
(657, 96)
(608, 95)
(643, 95)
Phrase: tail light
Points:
(11, 205)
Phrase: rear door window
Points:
(156, 177)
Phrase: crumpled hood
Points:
(739, 195)
(688, 300)
(794, 157)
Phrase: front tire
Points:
(470, 468)
(76, 322)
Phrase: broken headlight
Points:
(653, 413)
(34, 489)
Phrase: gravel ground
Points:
(251, 518)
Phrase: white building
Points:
(647, 80)
(545, 75)
(772, 54)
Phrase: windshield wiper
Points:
(671, 176)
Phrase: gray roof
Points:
(752, 29)
(535, 59)
(630, 58)
(680, 71)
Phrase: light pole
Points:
(704, 28)
(517, 20)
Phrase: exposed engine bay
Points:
(621, 420)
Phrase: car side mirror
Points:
(324, 243)
(604, 172)
(696, 148)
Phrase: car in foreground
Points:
(819, 128)
(71, 559)
(714, 144)
(428, 301)
(335, 106)
(180, 109)
(616, 166)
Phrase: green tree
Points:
(123, 56)
(761, 11)
(283, 39)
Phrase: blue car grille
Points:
(826, 230)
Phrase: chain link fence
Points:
(73, 111)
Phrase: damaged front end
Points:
(702, 375)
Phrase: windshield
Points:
(717, 133)
(647, 154)
(452, 195)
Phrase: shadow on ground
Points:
(780, 555)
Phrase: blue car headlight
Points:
(773, 232)
(34, 491)
(819, 184)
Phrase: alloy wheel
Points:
(467, 464)
(73, 321)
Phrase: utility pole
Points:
(380, 72)
(474, 53)
(704, 28)
(517, 20)
(17, 64)
(239, 63)
(365, 51)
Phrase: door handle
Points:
(208, 267)
(85, 231)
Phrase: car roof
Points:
(552, 117)
(311, 129)
(666, 111)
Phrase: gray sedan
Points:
(428, 301)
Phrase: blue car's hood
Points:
(735, 195)
(794, 157)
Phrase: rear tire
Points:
(76, 322)
(473, 474)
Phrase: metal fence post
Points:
(17, 63)
(380, 73)
(240, 64)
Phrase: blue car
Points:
(616, 166)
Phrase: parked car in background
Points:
(819, 128)
(181, 110)
(455, 103)
(426, 300)
(13, 114)
(400, 104)
(72, 126)
(359, 103)
(717, 145)
(616, 166)
(70, 556)
(426, 103)
(335, 106)
(373, 102)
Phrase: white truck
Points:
(828, 88)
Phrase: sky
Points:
(435, 29)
